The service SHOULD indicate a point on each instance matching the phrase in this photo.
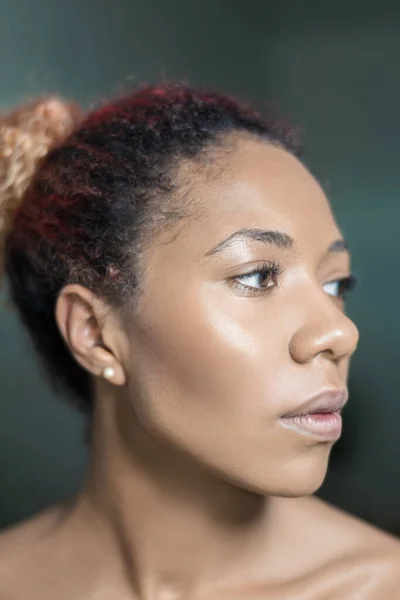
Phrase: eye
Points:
(339, 287)
(259, 280)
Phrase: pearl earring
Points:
(109, 373)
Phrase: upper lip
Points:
(330, 400)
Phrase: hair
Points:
(93, 198)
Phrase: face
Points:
(239, 348)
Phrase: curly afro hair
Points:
(95, 197)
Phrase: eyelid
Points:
(250, 267)
(260, 267)
(272, 268)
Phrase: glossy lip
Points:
(318, 417)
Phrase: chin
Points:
(294, 479)
(304, 480)
(299, 489)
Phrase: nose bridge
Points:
(324, 328)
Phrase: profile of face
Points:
(240, 329)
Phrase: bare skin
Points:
(197, 488)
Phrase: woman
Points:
(182, 276)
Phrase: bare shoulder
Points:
(23, 548)
(356, 551)
(348, 530)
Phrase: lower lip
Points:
(325, 426)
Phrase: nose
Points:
(326, 330)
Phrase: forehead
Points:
(259, 186)
(253, 186)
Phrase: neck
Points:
(177, 527)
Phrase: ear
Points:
(85, 322)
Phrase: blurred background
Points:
(330, 67)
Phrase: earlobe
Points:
(80, 316)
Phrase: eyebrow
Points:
(338, 246)
(274, 238)
(270, 237)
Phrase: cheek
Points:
(210, 353)
(208, 378)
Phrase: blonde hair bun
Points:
(27, 133)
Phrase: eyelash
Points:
(269, 270)
(346, 284)
(274, 270)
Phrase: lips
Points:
(319, 416)
(325, 402)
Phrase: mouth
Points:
(320, 416)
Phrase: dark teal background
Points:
(334, 70)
